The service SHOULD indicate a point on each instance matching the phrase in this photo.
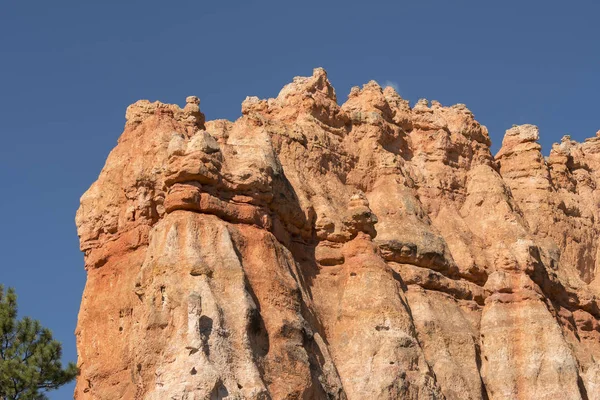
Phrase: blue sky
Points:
(68, 70)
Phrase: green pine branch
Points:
(30, 358)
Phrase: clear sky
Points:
(68, 70)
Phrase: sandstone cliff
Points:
(316, 251)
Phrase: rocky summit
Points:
(309, 250)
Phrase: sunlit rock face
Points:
(315, 251)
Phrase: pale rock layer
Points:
(316, 251)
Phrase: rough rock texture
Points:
(316, 251)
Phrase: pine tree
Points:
(29, 357)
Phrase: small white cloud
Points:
(392, 84)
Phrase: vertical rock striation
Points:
(315, 251)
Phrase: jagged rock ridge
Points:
(316, 251)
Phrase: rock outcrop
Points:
(315, 251)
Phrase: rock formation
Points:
(316, 251)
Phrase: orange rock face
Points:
(316, 251)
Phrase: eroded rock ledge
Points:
(316, 251)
